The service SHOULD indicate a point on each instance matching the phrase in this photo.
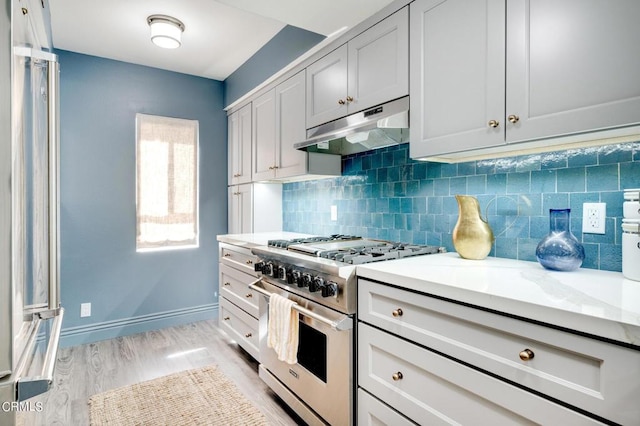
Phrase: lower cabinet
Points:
(238, 313)
(439, 362)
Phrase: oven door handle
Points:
(345, 323)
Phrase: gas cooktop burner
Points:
(308, 240)
(385, 251)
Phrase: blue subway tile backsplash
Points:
(384, 194)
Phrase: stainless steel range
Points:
(318, 273)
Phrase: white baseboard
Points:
(79, 335)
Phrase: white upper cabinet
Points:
(457, 75)
(278, 123)
(264, 136)
(370, 69)
(573, 66)
(290, 126)
(240, 210)
(239, 128)
(568, 71)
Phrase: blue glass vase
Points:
(560, 250)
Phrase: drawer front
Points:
(242, 327)
(372, 412)
(431, 389)
(590, 374)
(237, 257)
(234, 285)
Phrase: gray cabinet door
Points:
(290, 126)
(572, 66)
(239, 125)
(457, 75)
(379, 63)
(264, 136)
(327, 88)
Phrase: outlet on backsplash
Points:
(593, 218)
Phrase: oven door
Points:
(323, 377)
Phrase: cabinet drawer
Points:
(590, 374)
(431, 389)
(372, 412)
(242, 327)
(234, 286)
(237, 257)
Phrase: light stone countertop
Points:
(258, 239)
(600, 303)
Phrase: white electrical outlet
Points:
(593, 218)
(85, 310)
(334, 213)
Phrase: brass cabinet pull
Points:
(397, 313)
(341, 102)
(249, 262)
(270, 167)
(226, 318)
(513, 119)
(349, 99)
(227, 284)
(248, 335)
(526, 355)
(248, 295)
(227, 255)
(237, 175)
(493, 123)
(397, 376)
(276, 167)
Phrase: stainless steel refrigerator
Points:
(30, 311)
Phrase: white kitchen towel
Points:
(283, 328)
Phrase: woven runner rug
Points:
(202, 396)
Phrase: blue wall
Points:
(282, 49)
(384, 194)
(131, 291)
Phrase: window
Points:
(167, 182)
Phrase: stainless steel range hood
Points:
(377, 127)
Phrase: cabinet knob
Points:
(248, 295)
(513, 119)
(227, 255)
(226, 318)
(341, 101)
(227, 284)
(249, 262)
(397, 313)
(526, 355)
(349, 99)
(397, 376)
(493, 123)
(248, 335)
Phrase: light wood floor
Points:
(82, 371)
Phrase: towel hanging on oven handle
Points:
(345, 323)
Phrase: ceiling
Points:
(219, 36)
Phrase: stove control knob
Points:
(289, 276)
(257, 267)
(316, 284)
(330, 289)
(281, 272)
(267, 269)
(297, 278)
(306, 280)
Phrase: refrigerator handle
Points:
(54, 183)
(28, 387)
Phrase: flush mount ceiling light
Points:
(165, 31)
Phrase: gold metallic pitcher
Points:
(472, 236)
